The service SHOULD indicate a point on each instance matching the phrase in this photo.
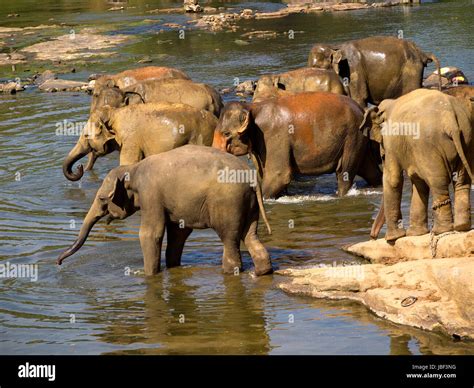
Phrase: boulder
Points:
(61, 85)
(435, 295)
(429, 283)
(451, 244)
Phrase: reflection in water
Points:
(91, 305)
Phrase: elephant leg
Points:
(392, 195)
(442, 213)
(176, 237)
(151, 233)
(462, 202)
(258, 252)
(229, 233)
(276, 178)
(419, 208)
(370, 171)
(345, 173)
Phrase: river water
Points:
(98, 301)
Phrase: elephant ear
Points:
(134, 95)
(118, 196)
(372, 124)
(104, 127)
(339, 63)
(244, 120)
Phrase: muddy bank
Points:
(435, 295)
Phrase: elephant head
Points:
(112, 199)
(325, 57)
(109, 94)
(373, 122)
(231, 133)
(98, 138)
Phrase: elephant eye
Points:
(227, 134)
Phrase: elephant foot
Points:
(395, 234)
(232, 268)
(417, 230)
(263, 271)
(442, 228)
(464, 227)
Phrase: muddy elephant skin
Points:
(375, 68)
(178, 191)
(308, 79)
(138, 131)
(429, 135)
(310, 133)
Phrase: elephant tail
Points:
(430, 57)
(258, 190)
(378, 222)
(460, 150)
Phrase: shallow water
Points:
(98, 301)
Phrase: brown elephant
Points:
(309, 133)
(138, 131)
(429, 135)
(376, 68)
(179, 191)
(130, 77)
(462, 91)
(297, 81)
(200, 96)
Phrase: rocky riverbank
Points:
(435, 294)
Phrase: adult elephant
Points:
(179, 191)
(131, 77)
(429, 135)
(173, 90)
(198, 95)
(376, 68)
(140, 131)
(306, 79)
(309, 133)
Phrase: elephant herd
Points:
(358, 109)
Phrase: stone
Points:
(75, 46)
(60, 85)
(10, 87)
(425, 281)
(438, 295)
(451, 244)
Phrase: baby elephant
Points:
(191, 187)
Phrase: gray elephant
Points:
(429, 135)
(138, 131)
(306, 79)
(188, 188)
(375, 68)
(310, 133)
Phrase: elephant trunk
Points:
(91, 161)
(79, 151)
(95, 214)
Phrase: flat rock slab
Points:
(61, 85)
(74, 46)
(435, 295)
(413, 248)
